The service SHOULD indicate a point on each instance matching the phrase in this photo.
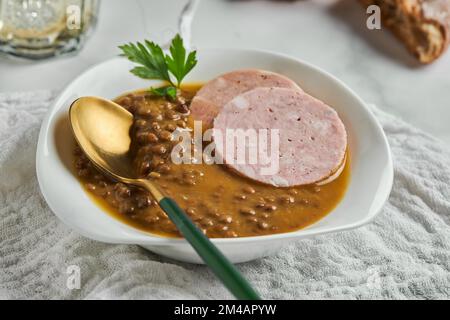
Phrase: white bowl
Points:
(370, 158)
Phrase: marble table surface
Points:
(331, 34)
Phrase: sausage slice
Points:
(211, 98)
(312, 137)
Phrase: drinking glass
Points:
(38, 29)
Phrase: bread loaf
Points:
(422, 25)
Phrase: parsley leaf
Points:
(177, 63)
(151, 58)
(167, 91)
(152, 63)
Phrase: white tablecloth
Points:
(404, 253)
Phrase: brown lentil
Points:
(270, 208)
(165, 135)
(248, 211)
(287, 199)
(249, 189)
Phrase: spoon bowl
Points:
(101, 128)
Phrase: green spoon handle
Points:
(219, 264)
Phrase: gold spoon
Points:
(101, 128)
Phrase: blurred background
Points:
(331, 34)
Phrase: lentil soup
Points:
(221, 202)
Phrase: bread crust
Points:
(422, 25)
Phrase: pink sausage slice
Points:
(211, 98)
(312, 137)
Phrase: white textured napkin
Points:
(404, 253)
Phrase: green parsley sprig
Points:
(154, 64)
